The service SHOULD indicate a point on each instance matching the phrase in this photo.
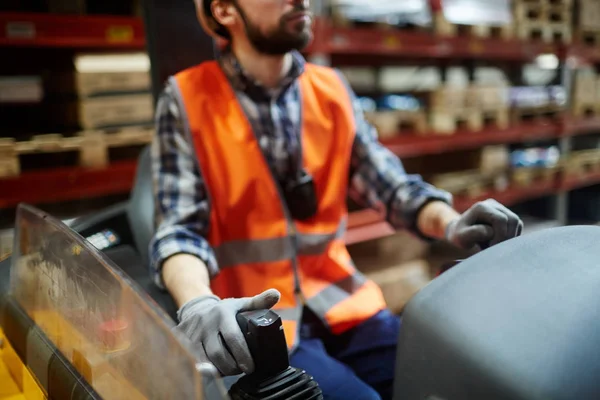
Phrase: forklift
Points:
(80, 317)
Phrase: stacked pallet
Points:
(393, 122)
(473, 107)
(586, 93)
(579, 163)
(451, 109)
(444, 111)
(526, 176)
(546, 20)
(492, 101)
(587, 22)
(90, 149)
(536, 103)
(471, 183)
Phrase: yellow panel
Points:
(15, 397)
(31, 389)
(17, 372)
(8, 387)
(13, 363)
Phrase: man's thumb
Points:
(265, 300)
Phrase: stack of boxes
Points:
(103, 91)
(548, 20)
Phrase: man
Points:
(253, 161)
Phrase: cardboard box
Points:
(102, 74)
(105, 111)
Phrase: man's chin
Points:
(301, 39)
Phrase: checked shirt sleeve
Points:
(181, 203)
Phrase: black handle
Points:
(264, 334)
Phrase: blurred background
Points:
(484, 98)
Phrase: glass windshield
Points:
(111, 331)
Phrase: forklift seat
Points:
(140, 210)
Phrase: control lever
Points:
(273, 377)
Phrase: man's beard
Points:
(279, 41)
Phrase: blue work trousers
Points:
(356, 365)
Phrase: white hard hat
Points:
(208, 22)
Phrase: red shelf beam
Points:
(413, 145)
(54, 30)
(368, 41)
(572, 183)
(581, 54)
(65, 184)
(579, 126)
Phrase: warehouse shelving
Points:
(71, 31)
(99, 32)
(333, 40)
(33, 31)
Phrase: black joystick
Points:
(273, 377)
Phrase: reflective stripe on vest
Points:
(260, 251)
(257, 244)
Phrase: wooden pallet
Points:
(519, 115)
(448, 122)
(472, 183)
(582, 162)
(468, 183)
(443, 27)
(547, 3)
(394, 122)
(524, 177)
(545, 31)
(587, 37)
(542, 13)
(587, 18)
(488, 97)
(585, 93)
(92, 149)
(586, 110)
(496, 118)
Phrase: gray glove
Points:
(485, 224)
(210, 323)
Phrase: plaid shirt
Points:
(377, 177)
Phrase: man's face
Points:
(276, 27)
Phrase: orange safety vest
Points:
(257, 244)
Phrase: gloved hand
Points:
(210, 323)
(485, 224)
